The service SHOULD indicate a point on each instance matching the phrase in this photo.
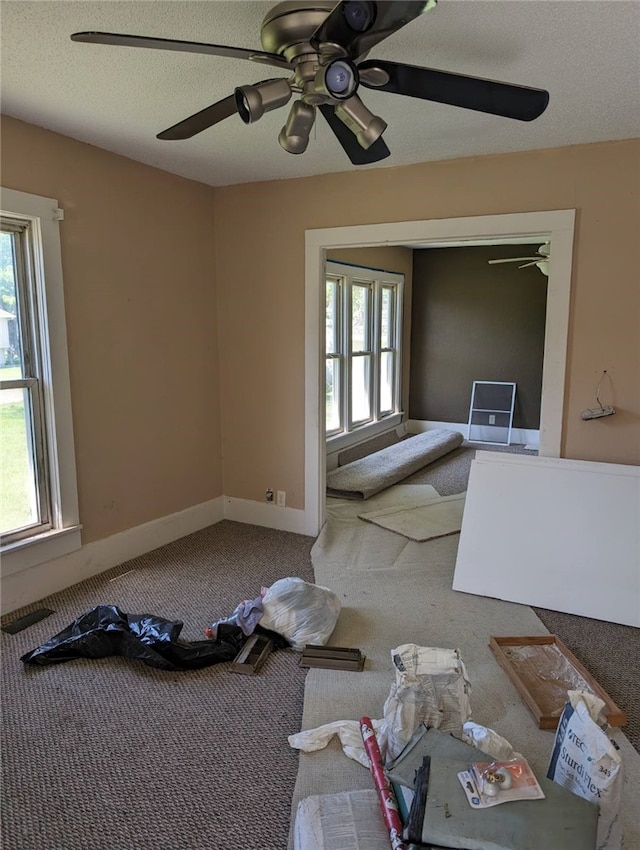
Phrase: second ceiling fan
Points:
(324, 47)
(541, 261)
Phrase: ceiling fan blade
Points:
(357, 26)
(496, 98)
(122, 40)
(200, 120)
(356, 153)
(514, 260)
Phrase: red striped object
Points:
(388, 802)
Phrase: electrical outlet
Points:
(269, 495)
(281, 498)
(492, 419)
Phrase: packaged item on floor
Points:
(490, 783)
(587, 762)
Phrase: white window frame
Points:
(347, 276)
(42, 216)
(336, 353)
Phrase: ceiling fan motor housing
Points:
(287, 28)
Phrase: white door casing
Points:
(556, 226)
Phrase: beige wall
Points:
(474, 321)
(143, 260)
(260, 261)
(138, 262)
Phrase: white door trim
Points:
(556, 226)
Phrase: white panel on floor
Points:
(553, 533)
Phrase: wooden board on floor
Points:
(543, 670)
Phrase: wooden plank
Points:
(543, 669)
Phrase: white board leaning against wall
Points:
(553, 533)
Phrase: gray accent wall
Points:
(471, 321)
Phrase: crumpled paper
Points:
(431, 687)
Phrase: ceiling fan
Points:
(541, 261)
(323, 46)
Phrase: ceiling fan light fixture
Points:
(294, 136)
(341, 79)
(360, 15)
(366, 126)
(253, 101)
(338, 80)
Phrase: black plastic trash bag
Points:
(106, 630)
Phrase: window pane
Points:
(332, 394)
(10, 355)
(360, 383)
(387, 360)
(360, 312)
(332, 316)
(18, 504)
(386, 318)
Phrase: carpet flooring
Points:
(111, 754)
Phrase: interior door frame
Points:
(556, 226)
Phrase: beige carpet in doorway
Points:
(434, 518)
(394, 591)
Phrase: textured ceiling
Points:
(584, 52)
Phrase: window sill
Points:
(32, 551)
(366, 432)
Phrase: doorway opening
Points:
(555, 226)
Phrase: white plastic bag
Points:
(587, 762)
(303, 613)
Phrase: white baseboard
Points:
(519, 436)
(264, 514)
(35, 583)
(419, 426)
(30, 585)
